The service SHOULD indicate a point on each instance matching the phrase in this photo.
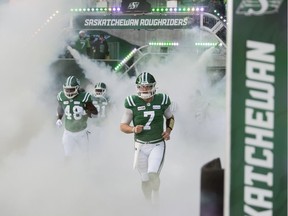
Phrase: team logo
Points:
(258, 7)
(141, 108)
(156, 107)
(133, 5)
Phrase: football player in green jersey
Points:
(82, 44)
(100, 99)
(147, 111)
(75, 106)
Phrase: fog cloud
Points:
(35, 180)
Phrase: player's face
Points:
(145, 88)
(99, 91)
(70, 90)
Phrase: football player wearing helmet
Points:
(82, 44)
(75, 107)
(146, 111)
(101, 99)
(100, 89)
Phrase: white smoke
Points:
(34, 178)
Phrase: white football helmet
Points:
(82, 34)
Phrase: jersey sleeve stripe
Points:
(166, 99)
(128, 101)
(131, 101)
(86, 97)
(163, 99)
(59, 97)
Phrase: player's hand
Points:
(138, 129)
(166, 134)
(59, 123)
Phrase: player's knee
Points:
(155, 180)
(147, 189)
(153, 176)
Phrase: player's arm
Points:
(125, 122)
(60, 111)
(91, 110)
(169, 118)
(169, 123)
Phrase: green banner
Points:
(135, 21)
(258, 133)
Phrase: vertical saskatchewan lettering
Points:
(259, 129)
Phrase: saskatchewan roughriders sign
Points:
(133, 22)
(258, 133)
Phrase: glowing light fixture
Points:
(179, 9)
(207, 44)
(98, 9)
(125, 60)
(168, 43)
(48, 20)
(153, 10)
(221, 17)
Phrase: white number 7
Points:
(148, 123)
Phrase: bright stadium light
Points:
(165, 43)
(96, 9)
(178, 9)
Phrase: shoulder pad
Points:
(60, 96)
(131, 101)
(165, 99)
(86, 96)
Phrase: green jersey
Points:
(101, 103)
(81, 45)
(150, 115)
(74, 122)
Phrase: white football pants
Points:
(150, 159)
(75, 143)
